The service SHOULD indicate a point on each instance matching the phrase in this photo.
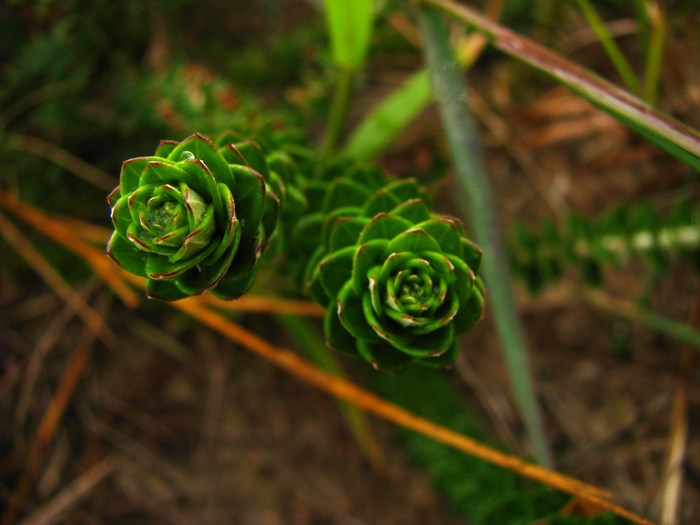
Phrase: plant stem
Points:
(339, 109)
(632, 312)
(449, 91)
(307, 339)
(655, 51)
(613, 51)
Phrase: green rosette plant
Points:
(194, 217)
(398, 281)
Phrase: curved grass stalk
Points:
(449, 91)
(676, 138)
(611, 48)
(655, 50)
(62, 158)
(306, 338)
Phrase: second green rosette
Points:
(399, 282)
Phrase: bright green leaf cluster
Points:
(195, 216)
(398, 281)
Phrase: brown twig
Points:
(40, 352)
(342, 389)
(678, 436)
(53, 228)
(62, 158)
(49, 423)
(57, 283)
(53, 511)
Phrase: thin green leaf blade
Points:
(390, 117)
(349, 26)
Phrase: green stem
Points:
(613, 51)
(307, 339)
(339, 109)
(632, 312)
(655, 51)
(449, 91)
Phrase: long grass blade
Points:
(451, 95)
(676, 138)
(349, 25)
(611, 48)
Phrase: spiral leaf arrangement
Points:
(398, 282)
(541, 256)
(195, 217)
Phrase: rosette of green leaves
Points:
(194, 217)
(399, 282)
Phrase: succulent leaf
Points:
(398, 281)
(190, 218)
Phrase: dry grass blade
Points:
(63, 158)
(54, 279)
(678, 439)
(41, 350)
(53, 511)
(47, 427)
(63, 233)
(268, 305)
(342, 389)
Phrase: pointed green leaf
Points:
(471, 311)
(346, 232)
(230, 235)
(414, 240)
(198, 239)
(159, 267)
(471, 254)
(204, 150)
(445, 232)
(383, 226)
(382, 356)
(343, 193)
(414, 211)
(163, 291)
(124, 253)
(121, 216)
(249, 196)
(432, 344)
(335, 270)
(247, 153)
(381, 201)
(165, 148)
(132, 169)
(367, 256)
(443, 360)
(351, 315)
(337, 337)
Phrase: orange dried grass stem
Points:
(365, 400)
(49, 423)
